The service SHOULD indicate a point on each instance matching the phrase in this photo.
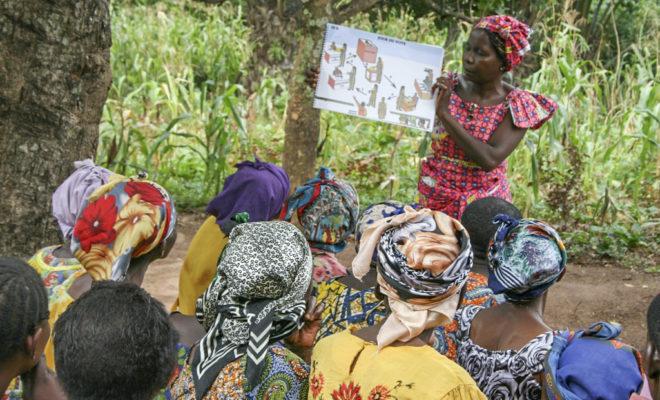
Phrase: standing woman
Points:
(481, 119)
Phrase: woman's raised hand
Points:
(442, 86)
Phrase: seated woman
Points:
(123, 227)
(504, 347)
(327, 209)
(255, 192)
(352, 304)
(592, 364)
(114, 342)
(423, 261)
(56, 263)
(256, 299)
(24, 331)
(476, 219)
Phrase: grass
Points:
(177, 110)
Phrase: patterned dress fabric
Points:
(53, 270)
(326, 266)
(256, 299)
(360, 371)
(347, 308)
(506, 374)
(14, 391)
(449, 180)
(58, 301)
(475, 293)
(285, 377)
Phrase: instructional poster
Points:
(378, 77)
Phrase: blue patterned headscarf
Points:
(525, 258)
(327, 209)
(591, 364)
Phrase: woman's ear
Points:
(36, 343)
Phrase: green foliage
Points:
(176, 109)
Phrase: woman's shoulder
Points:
(530, 110)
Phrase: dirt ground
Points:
(589, 292)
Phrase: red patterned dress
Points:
(449, 180)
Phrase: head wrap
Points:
(373, 213)
(525, 258)
(327, 209)
(423, 260)
(258, 188)
(70, 195)
(591, 364)
(513, 33)
(257, 298)
(123, 219)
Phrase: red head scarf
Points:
(514, 34)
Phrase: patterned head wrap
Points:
(258, 188)
(591, 364)
(513, 33)
(373, 213)
(327, 209)
(423, 260)
(257, 298)
(70, 195)
(123, 219)
(525, 258)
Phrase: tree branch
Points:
(438, 10)
(354, 8)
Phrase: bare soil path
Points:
(589, 292)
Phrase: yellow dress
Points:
(360, 371)
(58, 301)
(53, 270)
(200, 265)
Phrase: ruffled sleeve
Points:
(530, 110)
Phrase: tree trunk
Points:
(54, 79)
(302, 124)
(302, 119)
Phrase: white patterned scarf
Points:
(256, 298)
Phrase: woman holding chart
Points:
(480, 119)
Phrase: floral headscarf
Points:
(327, 209)
(513, 33)
(123, 219)
(525, 258)
(72, 193)
(257, 188)
(257, 298)
(423, 261)
(592, 364)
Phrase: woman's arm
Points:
(487, 155)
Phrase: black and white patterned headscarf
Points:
(256, 298)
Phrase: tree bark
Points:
(54, 79)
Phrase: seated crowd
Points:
(430, 307)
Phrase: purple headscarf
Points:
(72, 193)
(258, 188)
